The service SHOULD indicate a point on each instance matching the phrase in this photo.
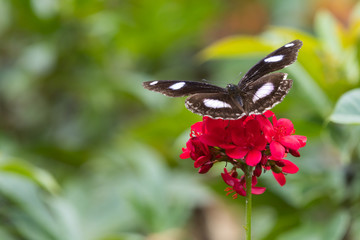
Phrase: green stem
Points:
(248, 178)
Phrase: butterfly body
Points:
(258, 91)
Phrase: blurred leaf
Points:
(45, 8)
(284, 34)
(237, 46)
(30, 217)
(327, 28)
(331, 228)
(347, 109)
(41, 177)
(5, 235)
(264, 220)
(337, 226)
(5, 15)
(314, 93)
(355, 230)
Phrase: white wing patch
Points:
(264, 91)
(214, 103)
(289, 45)
(274, 58)
(177, 86)
(154, 82)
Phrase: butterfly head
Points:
(232, 89)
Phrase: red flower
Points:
(248, 142)
(283, 140)
(252, 140)
(216, 132)
(285, 166)
(239, 185)
(199, 152)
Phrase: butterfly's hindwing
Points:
(214, 105)
(266, 92)
(276, 60)
(181, 88)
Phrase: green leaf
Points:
(236, 46)
(326, 27)
(347, 109)
(5, 234)
(337, 226)
(40, 176)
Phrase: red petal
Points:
(254, 190)
(228, 179)
(214, 125)
(201, 161)
(280, 178)
(227, 146)
(290, 142)
(211, 140)
(302, 140)
(269, 114)
(277, 150)
(265, 126)
(295, 153)
(258, 170)
(240, 189)
(237, 153)
(239, 123)
(252, 129)
(205, 168)
(258, 190)
(274, 121)
(185, 154)
(253, 181)
(238, 136)
(197, 128)
(253, 157)
(214, 131)
(259, 142)
(289, 126)
(289, 167)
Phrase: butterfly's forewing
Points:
(214, 105)
(266, 92)
(276, 60)
(181, 88)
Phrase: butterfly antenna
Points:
(237, 76)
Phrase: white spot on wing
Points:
(264, 91)
(177, 86)
(214, 103)
(274, 58)
(289, 45)
(154, 82)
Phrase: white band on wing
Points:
(214, 103)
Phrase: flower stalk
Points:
(248, 201)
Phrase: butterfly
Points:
(258, 90)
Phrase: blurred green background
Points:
(87, 154)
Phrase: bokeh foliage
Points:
(87, 153)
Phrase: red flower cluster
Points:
(252, 140)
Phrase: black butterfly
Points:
(258, 91)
